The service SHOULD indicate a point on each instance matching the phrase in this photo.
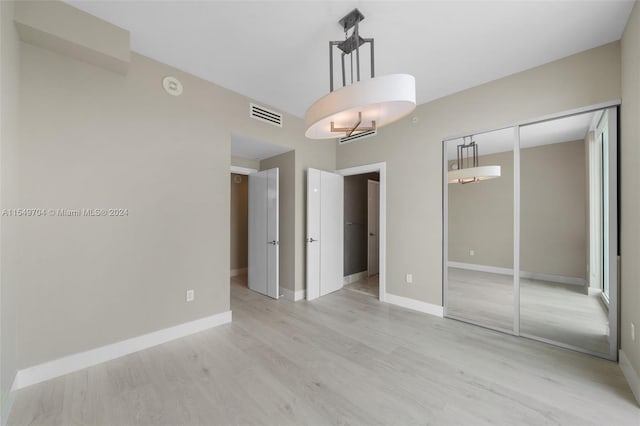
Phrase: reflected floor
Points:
(553, 311)
(241, 280)
(369, 286)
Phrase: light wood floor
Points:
(558, 312)
(369, 286)
(342, 359)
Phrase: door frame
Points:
(242, 170)
(369, 183)
(382, 169)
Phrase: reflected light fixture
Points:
(468, 169)
(361, 105)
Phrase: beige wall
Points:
(239, 228)
(94, 138)
(60, 28)
(103, 140)
(287, 209)
(9, 80)
(247, 163)
(553, 207)
(481, 217)
(413, 152)
(630, 182)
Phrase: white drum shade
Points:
(477, 173)
(382, 99)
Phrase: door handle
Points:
(274, 242)
(371, 234)
(311, 240)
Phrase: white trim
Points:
(348, 279)
(445, 228)
(416, 305)
(69, 364)
(480, 268)
(561, 279)
(236, 272)
(516, 230)
(382, 169)
(292, 295)
(604, 300)
(630, 374)
(7, 404)
(242, 170)
(596, 119)
(614, 256)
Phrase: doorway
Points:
(239, 225)
(361, 233)
(365, 229)
(255, 213)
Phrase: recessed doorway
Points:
(365, 229)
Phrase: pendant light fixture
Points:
(468, 169)
(361, 105)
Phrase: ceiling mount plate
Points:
(351, 19)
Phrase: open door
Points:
(263, 274)
(373, 225)
(325, 212)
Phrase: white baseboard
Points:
(68, 364)
(236, 272)
(630, 374)
(414, 304)
(481, 268)
(348, 279)
(562, 279)
(7, 404)
(292, 295)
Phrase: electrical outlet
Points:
(409, 278)
(633, 332)
(472, 252)
(191, 295)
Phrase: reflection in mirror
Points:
(480, 285)
(561, 276)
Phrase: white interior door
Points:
(263, 274)
(373, 225)
(325, 211)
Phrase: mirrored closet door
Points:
(480, 229)
(531, 231)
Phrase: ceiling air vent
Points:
(263, 114)
(358, 136)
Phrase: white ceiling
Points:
(276, 52)
(565, 129)
(254, 149)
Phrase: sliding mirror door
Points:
(565, 222)
(479, 194)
